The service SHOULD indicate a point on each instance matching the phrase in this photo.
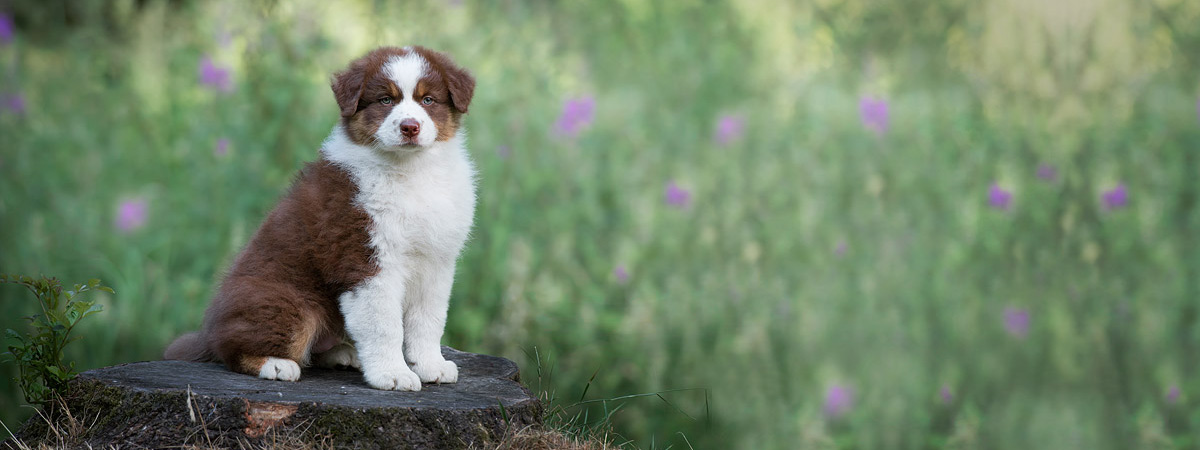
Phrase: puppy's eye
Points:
(385, 100)
(427, 100)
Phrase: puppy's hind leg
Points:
(269, 338)
(279, 358)
(273, 368)
(340, 356)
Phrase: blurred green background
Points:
(858, 224)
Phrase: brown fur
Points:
(359, 88)
(280, 297)
(281, 294)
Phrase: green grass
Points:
(741, 292)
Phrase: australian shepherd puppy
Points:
(353, 267)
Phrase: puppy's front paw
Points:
(343, 355)
(393, 379)
(279, 369)
(437, 371)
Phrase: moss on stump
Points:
(161, 404)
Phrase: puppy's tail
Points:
(189, 347)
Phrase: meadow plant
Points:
(621, 274)
(1047, 173)
(1115, 198)
(43, 375)
(980, 102)
(838, 400)
(131, 215)
(15, 103)
(874, 114)
(729, 129)
(999, 198)
(6, 29)
(1173, 393)
(577, 113)
(214, 76)
(221, 149)
(1016, 321)
(676, 196)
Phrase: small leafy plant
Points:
(39, 353)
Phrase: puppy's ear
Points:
(348, 86)
(460, 82)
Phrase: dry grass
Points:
(538, 438)
(68, 431)
(65, 432)
(67, 435)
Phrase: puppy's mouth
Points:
(397, 145)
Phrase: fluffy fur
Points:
(354, 266)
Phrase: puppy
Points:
(353, 267)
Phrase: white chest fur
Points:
(421, 204)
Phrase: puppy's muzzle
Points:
(410, 128)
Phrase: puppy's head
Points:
(402, 98)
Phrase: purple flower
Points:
(576, 114)
(222, 147)
(947, 396)
(621, 275)
(1173, 394)
(874, 113)
(840, 249)
(1118, 197)
(1047, 172)
(131, 215)
(677, 196)
(838, 400)
(1016, 321)
(215, 77)
(999, 198)
(503, 151)
(729, 129)
(15, 103)
(6, 29)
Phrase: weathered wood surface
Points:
(159, 404)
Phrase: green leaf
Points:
(38, 354)
(54, 370)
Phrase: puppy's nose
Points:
(410, 127)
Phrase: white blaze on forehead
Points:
(405, 71)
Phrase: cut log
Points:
(160, 404)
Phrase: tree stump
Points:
(161, 404)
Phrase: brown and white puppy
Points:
(354, 266)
